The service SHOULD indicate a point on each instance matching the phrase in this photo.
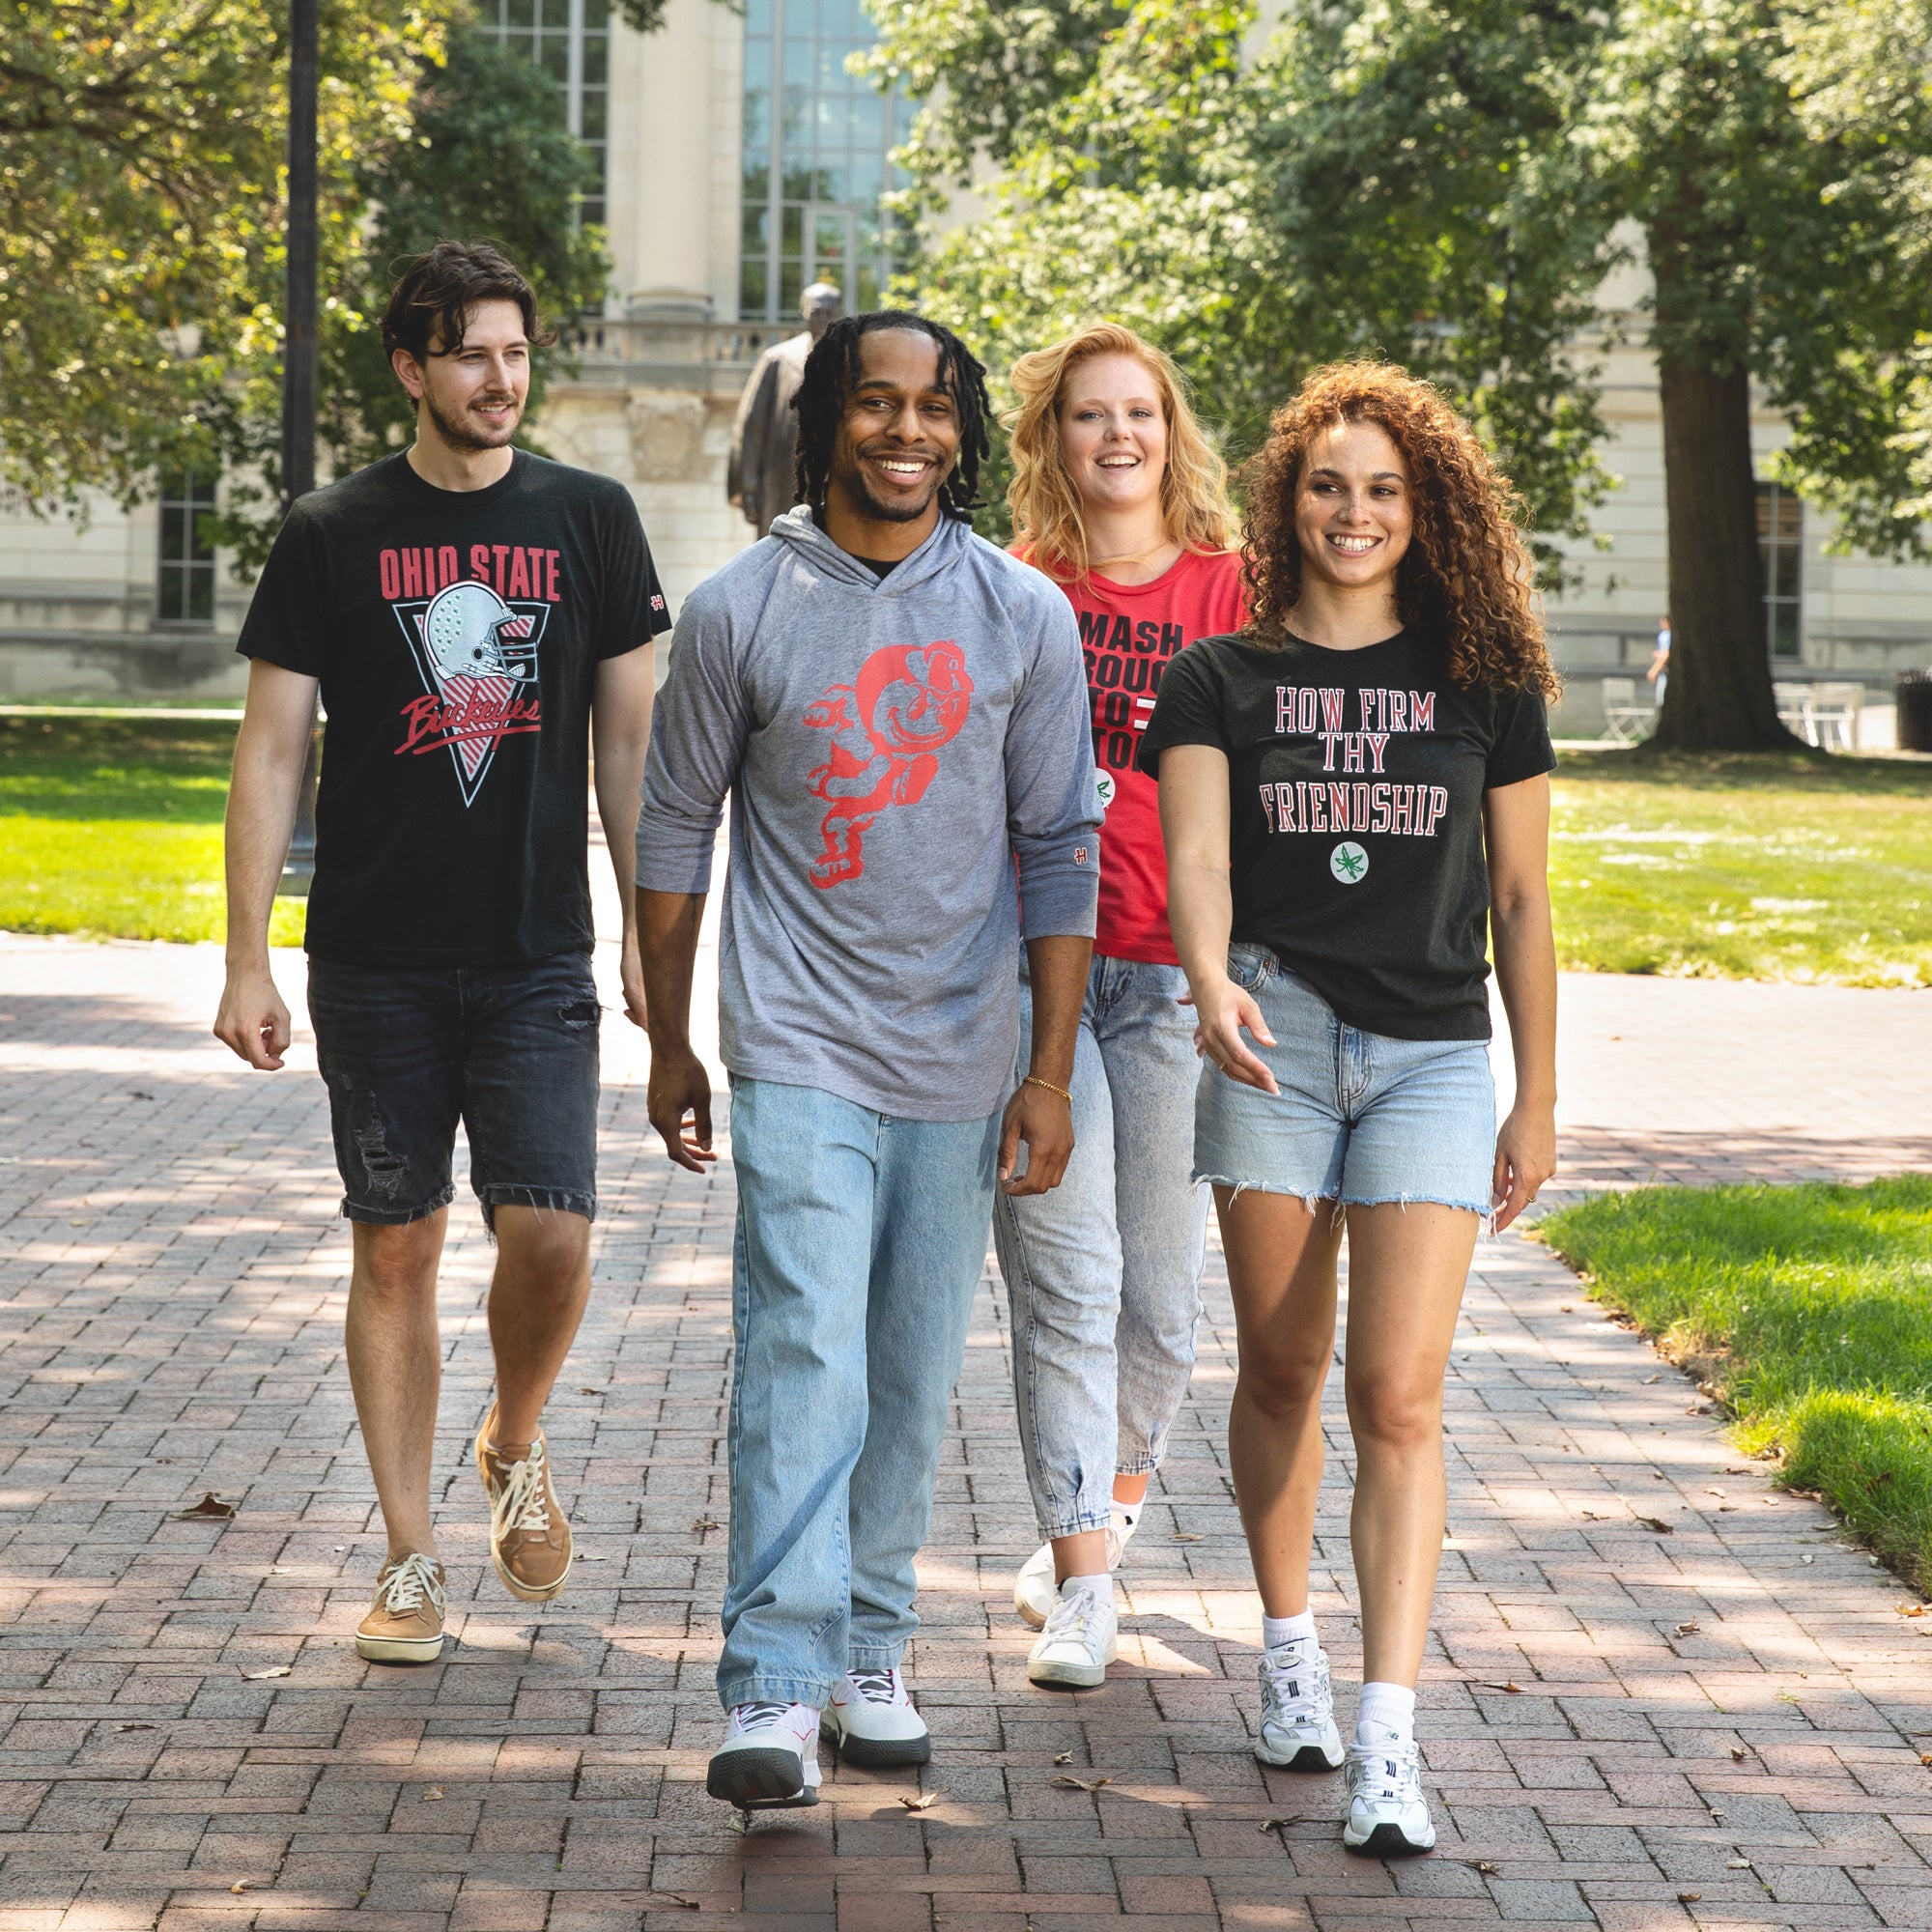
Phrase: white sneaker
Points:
(1078, 1642)
(1297, 1709)
(769, 1758)
(1387, 1815)
(1034, 1592)
(871, 1721)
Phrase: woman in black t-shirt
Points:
(1354, 794)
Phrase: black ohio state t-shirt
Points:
(1356, 797)
(457, 635)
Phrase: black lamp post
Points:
(299, 369)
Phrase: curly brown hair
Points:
(1466, 577)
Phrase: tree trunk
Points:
(1720, 697)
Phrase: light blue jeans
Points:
(860, 1240)
(1104, 1273)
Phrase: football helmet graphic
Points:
(469, 632)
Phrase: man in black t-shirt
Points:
(470, 614)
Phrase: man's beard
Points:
(860, 491)
(461, 435)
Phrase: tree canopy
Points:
(142, 184)
(1446, 183)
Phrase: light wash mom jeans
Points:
(860, 1240)
(1104, 1273)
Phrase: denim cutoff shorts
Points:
(510, 1052)
(1361, 1118)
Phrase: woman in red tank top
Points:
(1119, 497)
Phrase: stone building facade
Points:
(741, 162)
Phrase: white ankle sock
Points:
(1385, 1714)
(1126, 1515)
(1278, 1631)
(1102, 1586)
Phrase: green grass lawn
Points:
(1770, 867)
(111, 828)
(1766, 867)
(1809, 1310)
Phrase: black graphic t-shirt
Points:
(1355, 800)
(457, 635)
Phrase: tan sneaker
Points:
(405, 1622)
(529, 1540)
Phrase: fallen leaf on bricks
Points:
(1737, 1754)
(924, 1802)
(275, 1670)
(1657, 1523)
(591, 1556)
(1727, 1509)
(1807, 1559)
(689, 1904)
(431, 1796)
(1591, 1515)
(589, 1391)
(1912, 1609)
(1739, 1864)
(1488, 1686)
(703, 1524)
(250, 1885)
(1183, 1536)
(1073, 1783)
(210, 1509)
(1657, 1377)
(133, 1727)
(1065, 1757)
(1925, 1757)
(1689, 1630)
(1566, 1308)
(1280, 1824)
(1688, 1898)
(1482, 1866)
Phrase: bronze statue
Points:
(759, 480)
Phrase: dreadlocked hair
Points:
(831, 374)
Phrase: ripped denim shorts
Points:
(1361, 1119)
(509, 1051)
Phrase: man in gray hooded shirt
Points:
(898, 711)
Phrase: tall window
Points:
(1781, 545)
(815, 144)
(570, 40)
(186, 586)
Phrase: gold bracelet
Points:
(1034, 1080)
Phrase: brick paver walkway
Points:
(1718, 1723)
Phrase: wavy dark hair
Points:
(1466, 577)
(436, 291)
(831, 374)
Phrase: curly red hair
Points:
(1466, 577)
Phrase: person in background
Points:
(758, 477)
(1355, 795)
(474, 618)
(895, 708)
(1658, 672)
(1121, 499)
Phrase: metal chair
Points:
(1626, 722)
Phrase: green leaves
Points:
(1449, 183)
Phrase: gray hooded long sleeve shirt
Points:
(909, 766)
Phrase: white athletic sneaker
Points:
(1034, 1592)
(871, 1721)
(1298, 1710)
(1078, 1642)
(1387, 1815)
(769, 1758)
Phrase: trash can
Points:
(1915, 710)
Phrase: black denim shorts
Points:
(510, 1052)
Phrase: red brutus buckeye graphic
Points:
(908, 701)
